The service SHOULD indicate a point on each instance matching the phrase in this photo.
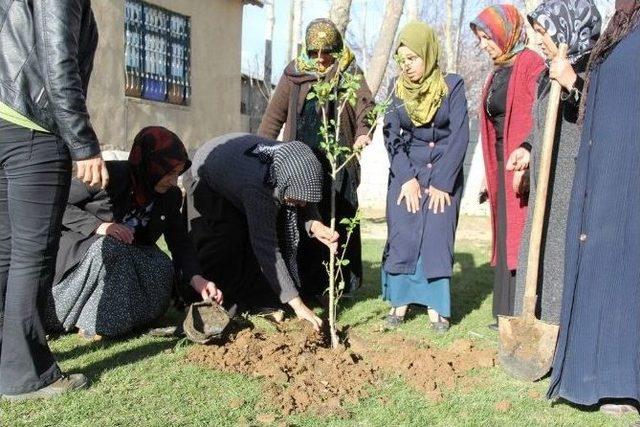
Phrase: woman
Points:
(426, 134)
(245, 198)
(576, 23)
(505, 123)
(43, 126)
(302, 119)
(111, 277)
(597, 359)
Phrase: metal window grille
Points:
(157, 53)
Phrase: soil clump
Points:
(304, 375)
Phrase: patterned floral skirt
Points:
(115, 289)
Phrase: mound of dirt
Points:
(304, 375)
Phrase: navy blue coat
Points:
(434, 154)
(598, 352)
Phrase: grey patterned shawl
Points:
(295, 173)
(574, 22)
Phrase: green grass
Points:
(144, 381)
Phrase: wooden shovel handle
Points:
(542, 186)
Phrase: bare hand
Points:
(561, 70)
(304, 313)
(520, 183)
(325, 235)
(518, 160)
(118, 231)
(410, 191)
(206, 289)
(361, 142)
(438, 199)
(93, 172)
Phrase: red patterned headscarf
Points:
(504, 24)
(156, 152)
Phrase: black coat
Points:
(87, 208)
(51, 46)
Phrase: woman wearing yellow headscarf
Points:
(426, 134)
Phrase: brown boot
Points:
(67, 382)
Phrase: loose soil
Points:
(303, 375)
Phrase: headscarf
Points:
(296, 173)
(156, 152)
(504, 24)
(574, 22)
(322, 35)
(422, 98)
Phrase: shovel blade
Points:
(526, 346)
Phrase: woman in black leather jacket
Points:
(46, 57)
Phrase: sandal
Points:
(88, 336)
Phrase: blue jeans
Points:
(35, 173)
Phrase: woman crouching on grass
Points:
(111, 277)
(426, 134)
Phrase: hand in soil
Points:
(304, 313)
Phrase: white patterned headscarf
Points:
(574, 22)
(296, 173)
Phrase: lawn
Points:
(145, 381)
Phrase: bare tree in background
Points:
(413, 10)
(295, 23)
(458, 44)
(531, 4)
(449, 38)
(382, 50)
(339, 14)
(268, 45)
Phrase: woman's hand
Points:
(93, 172)
(304, 313)
(206, 289)
(118, 231)
(561, 71)
(410, 192)
(361, 142)
(518, 160)
(521, 183)
(438, 199)
(325, 235)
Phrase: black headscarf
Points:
(295, 173)
(574, 22)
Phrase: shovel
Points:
(527, 344)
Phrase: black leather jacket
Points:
(46, 57)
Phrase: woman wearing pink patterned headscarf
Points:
(505, 123)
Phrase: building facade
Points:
(209, 63)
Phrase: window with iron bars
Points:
(157, 53)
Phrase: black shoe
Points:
(493, 326)
(63, 385)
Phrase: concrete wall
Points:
(372, 193)
(216, 38)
